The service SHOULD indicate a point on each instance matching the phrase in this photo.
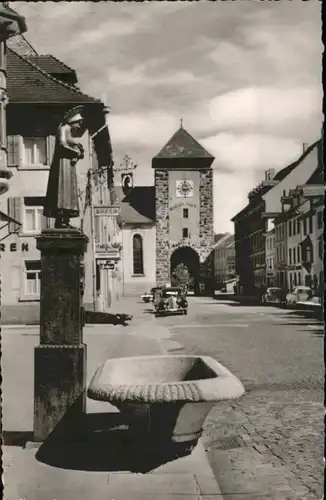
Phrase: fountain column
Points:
(60, 358)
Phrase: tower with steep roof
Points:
(184, 210)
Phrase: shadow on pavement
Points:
(96, 317)
(299, 323)
(108, 446)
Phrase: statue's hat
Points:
(74, 115)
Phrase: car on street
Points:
(171, 300)
(299, 294)
(273, 296)
(147, 297)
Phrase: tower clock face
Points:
(184, 188)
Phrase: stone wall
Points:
(165, 247)
(206, 224)
(162, 226)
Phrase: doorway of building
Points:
(185, 268)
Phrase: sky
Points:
(245, 77)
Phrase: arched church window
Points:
(138, 258)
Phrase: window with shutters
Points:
(138, 257)
(32, 278)
(33, 219)
(35, 151)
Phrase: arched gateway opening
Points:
(185, 268)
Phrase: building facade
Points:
(281, 253)
(302, 219)
(251, 224)
(138, 235)
(224, 260)
(41, 89)
(184, 211)
(270, 241)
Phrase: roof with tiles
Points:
(50, 64)
(28, 83)
(285, 172)
(21, 46)
(227, 241)
(183, 145)
(138, 206)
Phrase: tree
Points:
(181, 274)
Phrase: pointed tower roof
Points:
(183, 145)
(182, 151)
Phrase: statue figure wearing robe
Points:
(61, 201)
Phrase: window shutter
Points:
(47, 222)
(50, 145)
(14, 150)
(15, 210)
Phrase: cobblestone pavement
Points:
(268, 444)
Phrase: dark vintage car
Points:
(171, 300)
(274, 295)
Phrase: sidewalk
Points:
(27, 478)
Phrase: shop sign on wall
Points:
(107, 264)
(13, 247)
(107, 211)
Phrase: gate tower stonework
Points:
(184, 204)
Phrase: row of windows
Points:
(258, 260)
(294, 255)
(295, 279)
(29, 150)
(280, 254)
(280, 231)
(307, 226)
(270, 243)
(270, 262)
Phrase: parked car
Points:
(171, 300)
(147, 297)
(273, 295)
(299, 294)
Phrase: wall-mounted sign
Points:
(182, 204)
(107, 211)
(13, 247)
(184, 188)
(107, 264)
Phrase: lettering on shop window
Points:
(13, 247)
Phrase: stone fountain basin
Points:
(166, 397)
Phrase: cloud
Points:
(146, 130)
(141, 75)
(268, 107)
(230, 196)
(251, 152)
(245, 77)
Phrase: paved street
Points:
(275, 432)
(269, 444)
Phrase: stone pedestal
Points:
(60, 359)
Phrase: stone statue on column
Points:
(61, 201)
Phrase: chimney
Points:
(304, 147)
(269, 174)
